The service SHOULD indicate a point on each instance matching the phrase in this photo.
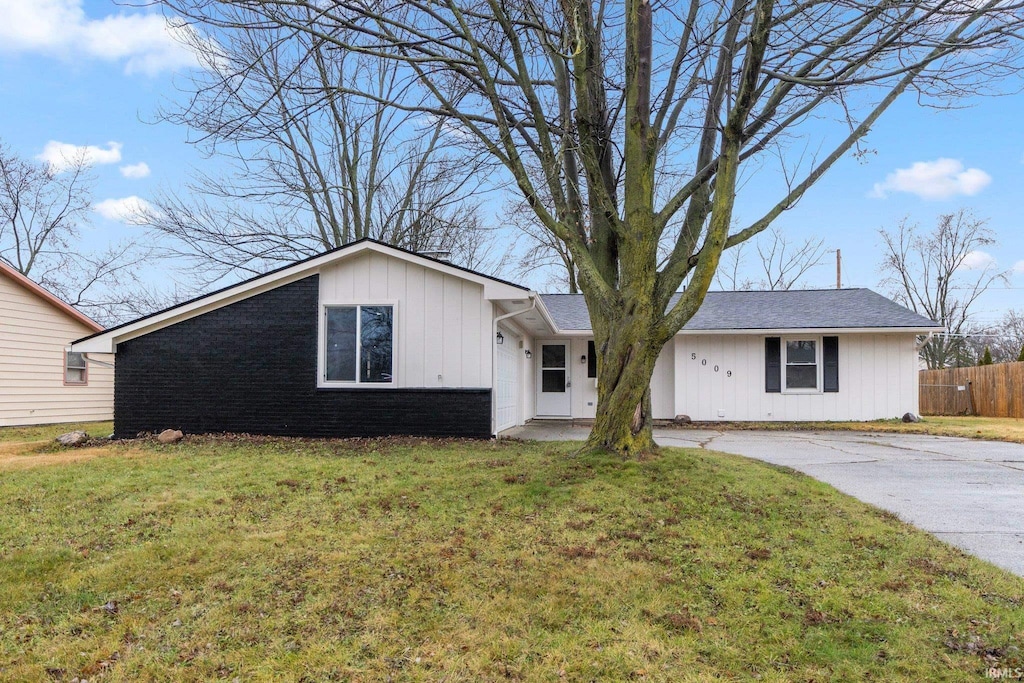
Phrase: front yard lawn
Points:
(285, 559)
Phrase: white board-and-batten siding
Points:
(33, 337)
(584, 389)
(442, 334)
(877, 379)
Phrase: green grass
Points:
(277, 559)
(987, 428)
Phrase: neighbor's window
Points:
(359, 344)
(75, 368)
(801, 364)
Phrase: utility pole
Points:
(839, 269)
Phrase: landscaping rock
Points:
(910, 417)
(170, 436)
(682, 419)
(75, 438)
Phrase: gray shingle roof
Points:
(794, 309)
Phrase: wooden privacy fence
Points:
(987, 390)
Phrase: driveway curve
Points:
(968, 493)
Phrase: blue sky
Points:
(92, 73)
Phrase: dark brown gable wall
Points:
(251, 367)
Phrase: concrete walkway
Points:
(968, 493)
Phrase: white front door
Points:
(553, 381)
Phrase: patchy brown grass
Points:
(17, 459)
(986, 428)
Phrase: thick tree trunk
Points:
(626, 355)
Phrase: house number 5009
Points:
(704, 361)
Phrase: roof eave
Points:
(816, 330)
(784, 331)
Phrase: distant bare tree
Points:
(729, 276)
(782, 265)
(933, 275)
(1005, 339)
(314, 168)
(1009, 346)
(539, 250)
(41, 211)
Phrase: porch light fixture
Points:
(583, 359)
(528, 354)
(500, 338)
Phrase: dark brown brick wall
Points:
(251, 367)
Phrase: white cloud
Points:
(139, 170)
(978, 260)
(939, 179)
(62, 155)
(126, 210)
(1018, 267)
(145, 42)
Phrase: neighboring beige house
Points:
(40, 381)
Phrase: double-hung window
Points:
(359, 344)
(801, 364)
(76, 370)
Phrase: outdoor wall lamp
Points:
(583, 359)
(500, 338)
(528, 354)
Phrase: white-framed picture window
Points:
(76, 368)
(358, 344)
(801, 367)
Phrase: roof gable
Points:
(39, 292)
(106, 341)
(772, 310)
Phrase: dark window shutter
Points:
(830, 355)
(773, 365)
(591, 359)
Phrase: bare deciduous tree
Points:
(638, 118)
(1005, 339)
(314, 168)
(782, 265)
(932, 274)
(1009, 343)
(41, 211)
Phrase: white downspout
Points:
(494, 359)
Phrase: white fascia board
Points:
(575, 333)
(789, 331)
(780, 332)
(108, 341)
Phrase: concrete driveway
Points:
(968, 493)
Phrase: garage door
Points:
(507, 391)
